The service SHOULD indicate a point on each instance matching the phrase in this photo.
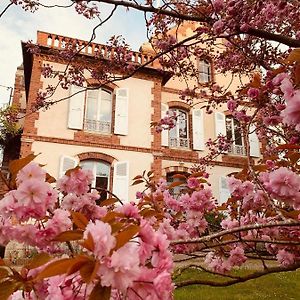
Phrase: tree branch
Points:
(240, 279)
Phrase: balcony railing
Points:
(237, 150)
(97, 126)
(179, 143)
(61, 42)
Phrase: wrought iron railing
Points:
(179, 143)
(97, 126)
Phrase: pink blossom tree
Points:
(125, 251)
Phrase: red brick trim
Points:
(93, 138)
(179, 104)
(96, 156)
(94, 82)
(31, 117)
(179, 169)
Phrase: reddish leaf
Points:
(58, 267)
(138, 182)
(124, 236)
(71, 235)
(7, 288)
(38, 260)
(109, 201)
(100, 293)
(79, 219)
(180, 176)
(50, 179)
(293, 56)
(88, 243)
(88, 271)
(174, 184)
(137, 177)
(70, 171)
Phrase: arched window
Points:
(101, 172)
(176, 191)
(204, 71)
(179, 135)
(98, 111)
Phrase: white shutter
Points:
(121, 180)
(254, 142)
(198, 129)
(66, 163)
(121, 113)
(76, 108)
(220, 125)
(224, 193)
(164, 133)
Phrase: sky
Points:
(16, 25)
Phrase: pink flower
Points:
(32, 191)
(232, 105)
(192, 183)
(164, 286)
(130, 210)
(237, 256)
(218, 5)
(285, 258)
(103, 239)
(31, 171)
(291, 114)
(253, 93)
(218, 27)
(283, 182)
(122, 268)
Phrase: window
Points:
(91, 110)
(98, 111)
(235, 134)
(177, 190)
(204, 71)
(101, 172)
(178, 136)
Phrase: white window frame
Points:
(235, 149)
(98, 123)
(178, 142)
(205, 71)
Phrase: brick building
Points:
(108, 129)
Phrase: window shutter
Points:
(76, 107)
(224, 193)
(198, 129)
(164, 133)
(254, 142)
(220, 125)
(121, 180)
(66, 163)
(121, 113)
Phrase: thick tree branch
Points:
(240, 279)
(235, 230)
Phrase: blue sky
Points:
(17, 25)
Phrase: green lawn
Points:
(283, 286)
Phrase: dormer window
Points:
(205, 74)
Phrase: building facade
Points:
(108, 129)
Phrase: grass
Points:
(283, 286)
